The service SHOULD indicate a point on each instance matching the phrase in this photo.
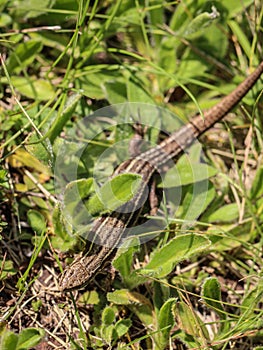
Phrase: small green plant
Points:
(26, 339)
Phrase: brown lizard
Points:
(111, 229)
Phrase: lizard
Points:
(111, 228)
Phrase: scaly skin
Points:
(111, 228)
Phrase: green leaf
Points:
(187, 339)
(98, 84)
(241, 37)
(119, 297)
(108, 316)
(199, 23)
(125, 297)
(196, 200)
(116, 92)
(23, 55)
(89, 297)
(78, 190)
(40, 149)
(36, 220)
(189, 322)
(122, 327)
(136, 92)
(235, 6)
(29, 338)
(123, 262)
(74, 215)
(51, 39)
(22, 157)
(8, 340)
(36, 305)
(186, 173)
(124, 258)
(138, 304)
(165, 322)
(191, 67)
(5, 20)
(227, 213)
(229, 236)
(3, 176)
(252, 300)
(62, 239)
(7, 269)
(211, 292)
(31, 8)
(180, 248)
(114, 193)
(37, 89)
(157, 18)
(257, 188)
(166, 59)
(62, 118)
(107, 333)
(161, 292)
